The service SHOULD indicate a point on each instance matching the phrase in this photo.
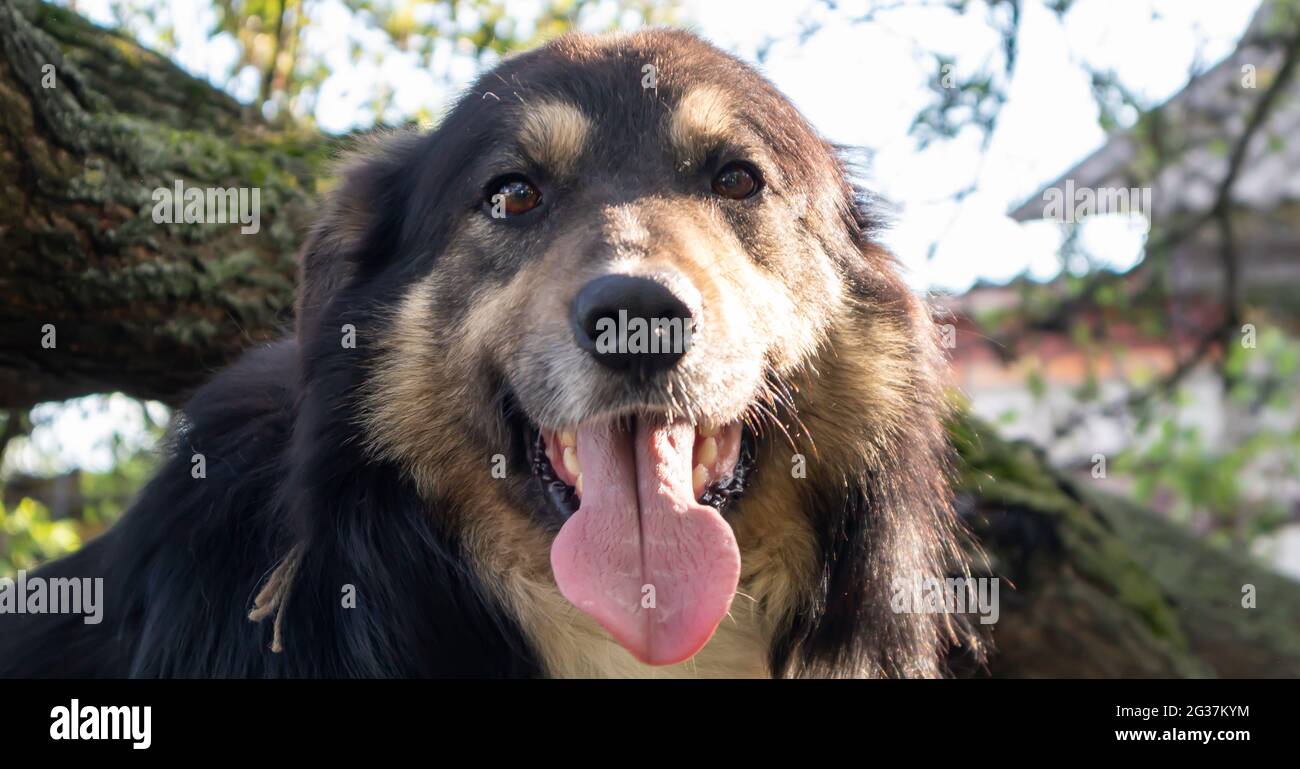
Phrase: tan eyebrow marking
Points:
(703, 118)
(553, 134)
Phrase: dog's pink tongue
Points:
(654, 567)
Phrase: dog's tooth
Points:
(577, 485)
(707, 430)
(699, 479)
(571, 460)
(568, 437)
(708, 453)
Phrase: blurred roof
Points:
(1199, 124)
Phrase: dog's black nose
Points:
(631, 324)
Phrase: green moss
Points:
(1015, 476)
(1182, 594)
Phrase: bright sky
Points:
(860, 85)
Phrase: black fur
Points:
(182, 568)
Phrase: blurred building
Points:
(1028, 376)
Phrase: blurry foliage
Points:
(106, 495)
(960, 102)
(272, 38)
(31, 449)
(1203, 484)
(28, 537)
(1207, 480)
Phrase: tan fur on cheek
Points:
(776, 537)
(856, 395)
(427, 384)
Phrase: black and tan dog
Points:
(450, 471)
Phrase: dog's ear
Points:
(880, 501)
(359, 219)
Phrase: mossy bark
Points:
(1093, 586)
(90, 125)
(1097, 586)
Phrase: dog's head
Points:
(621, 319)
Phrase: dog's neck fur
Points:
(571, 645)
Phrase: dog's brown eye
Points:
(512, 195)
(736, 181)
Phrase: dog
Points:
(607, 376)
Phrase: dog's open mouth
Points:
(644, 548)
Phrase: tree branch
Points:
(91, 125)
